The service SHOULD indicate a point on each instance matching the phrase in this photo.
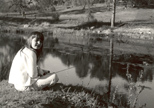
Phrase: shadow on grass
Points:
(85, 25)
(82, 11)
(141, 22)
(95, 25)
(21, 20)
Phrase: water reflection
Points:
(96, 66)
(8, 47)
(89, 70)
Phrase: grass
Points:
(58, 96)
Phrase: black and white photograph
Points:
(76, 53)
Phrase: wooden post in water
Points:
(111, 49)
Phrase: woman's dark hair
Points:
(38, 35)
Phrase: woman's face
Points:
(36, 43)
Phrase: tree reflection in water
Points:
(100, 70)
(96, 66)
(85, 63)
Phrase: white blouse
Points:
(24, 70)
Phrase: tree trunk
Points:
(113, 14)
(108, 4)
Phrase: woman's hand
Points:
(42, 72)
(45, 72)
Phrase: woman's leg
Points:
(46, 80)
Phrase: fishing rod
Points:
(64, 70)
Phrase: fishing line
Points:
(66, 73)
(64, 70)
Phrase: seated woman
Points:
(24, 72)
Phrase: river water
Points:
(89, 70)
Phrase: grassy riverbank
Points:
(58, 96)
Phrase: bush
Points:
(89, 17)
(55, 15)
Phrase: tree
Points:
(19, 5)
(89, 3)
(108, 4)
(45, 5)
(3, 6)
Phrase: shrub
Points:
(55, 15)
(89, 17)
